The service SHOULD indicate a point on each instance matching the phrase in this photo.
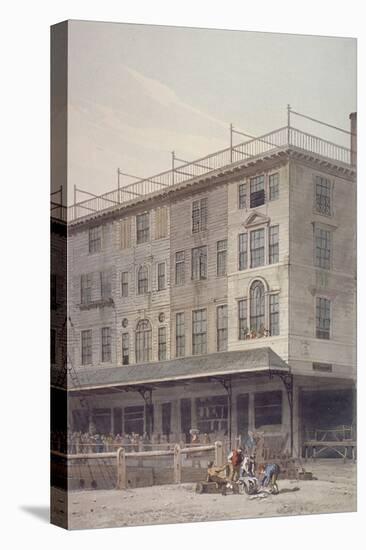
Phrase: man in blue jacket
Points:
(270, 474)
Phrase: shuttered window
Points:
(126, 233)
(161, 222)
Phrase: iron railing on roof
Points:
(59, 212)
(286, 136)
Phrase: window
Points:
(161, 222)
(221, 258)
(143, 341)
(212, 414)
(256, 191)
(242, 319)
(322, 247)
(257, 306)
(221, 324)
(199, 332)
(243, 251)
(143, 228)
(53, 346)
(179, 268)
(86, 288)
(242, 195)
(53, 291)
(257, 248)
(274, 315)
(105, 285)
(273, 238)
(166, 418)
(180, 337)
(274, 187)
(86, 347)
(95, 239)
(143, 280)
(161, 276)
(124, 284)
(134, 419)
(117, 420)
(323, 318)
(199, 263)
(268, 408)
(323, 195)
(106, 344)
(162, 343)
(102, 421)
(125, 348)
(199, 215)
(323, 367)
(126, 233)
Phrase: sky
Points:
(138, 92)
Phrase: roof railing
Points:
(178, 174)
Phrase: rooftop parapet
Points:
(284, 138)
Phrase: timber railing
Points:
(177, 454)
(286, 136)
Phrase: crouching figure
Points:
(217, 475)
(270, 474)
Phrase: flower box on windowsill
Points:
(253, 334)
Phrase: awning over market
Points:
(202, 368)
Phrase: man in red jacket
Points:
(236, 458)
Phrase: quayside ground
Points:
(334, 490)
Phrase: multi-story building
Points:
(219, 295)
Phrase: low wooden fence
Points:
(175, 456)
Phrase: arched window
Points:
(143, 341)
(143, 280)
(257, 307)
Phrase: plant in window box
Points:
(262, 331)
(246, 334)
(253, 332)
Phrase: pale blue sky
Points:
(137, 92)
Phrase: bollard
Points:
(177, 464)
(121, 469)
(219, 454)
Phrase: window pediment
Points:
(256, 218)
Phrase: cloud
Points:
(165, 96)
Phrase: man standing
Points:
(236, 458)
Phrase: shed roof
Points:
(198, 368)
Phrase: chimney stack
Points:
(353, 119)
